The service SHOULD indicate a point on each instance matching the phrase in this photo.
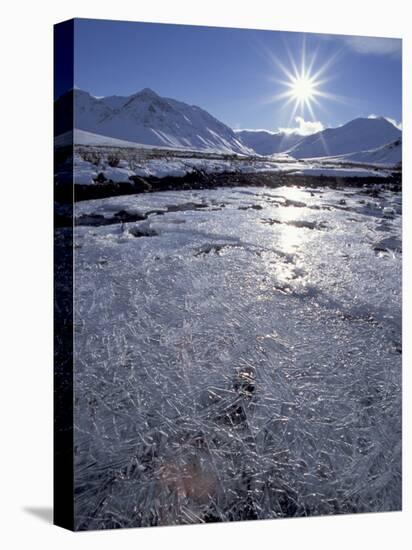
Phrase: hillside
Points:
(147, 118)
(264, 142)
(360, 134)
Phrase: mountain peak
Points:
(359, 134)
(370, 120)
(148, 118)
(146, 92)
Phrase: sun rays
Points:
(303, 83)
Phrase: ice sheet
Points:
(237, 355)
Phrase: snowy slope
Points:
(264, 142)
(360, 134)
(81, 137)
(149, 119)
(388, 155)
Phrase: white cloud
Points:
(376, 46)
(389, 119)
(305, 127)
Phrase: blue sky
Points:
(237, 74)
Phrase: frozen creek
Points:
(237, 355)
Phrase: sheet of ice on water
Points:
(237, 355)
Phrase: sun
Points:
(303, 88)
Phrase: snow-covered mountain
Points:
(264, 142)
(360, 134)
(149, 119)
(387, 155)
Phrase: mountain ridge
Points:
(265, 142)
(359, 134)
(148, 118)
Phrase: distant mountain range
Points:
(264, 142)
(360, 134)
(148, 119)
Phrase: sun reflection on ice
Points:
(285, 269)
(291, 238)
